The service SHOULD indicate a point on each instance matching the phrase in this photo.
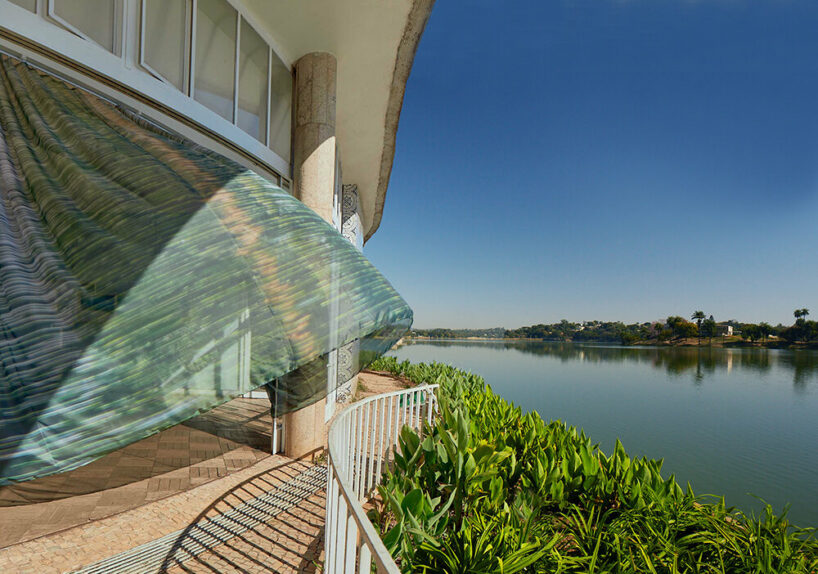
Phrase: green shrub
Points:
(490, 489)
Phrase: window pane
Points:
(252, 83)
(281, 102)
(94, 18)
(165, 25)
(215, 56)
(30, 5)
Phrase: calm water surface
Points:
(733, 422)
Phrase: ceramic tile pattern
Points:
(229, 438)
(290, 543)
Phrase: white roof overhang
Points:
(374, 42)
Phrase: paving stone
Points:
(148, 470)
(253, 550)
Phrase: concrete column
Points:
(314, 185)
(314, 137)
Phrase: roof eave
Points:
(415, 25)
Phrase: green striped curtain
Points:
(144, 279)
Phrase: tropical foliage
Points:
(802, 330)
(487, 488)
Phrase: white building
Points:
(307, 94)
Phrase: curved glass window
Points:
(215, 71)
(95, 19)
(254, 55)
(281, 107)
(206, 49)
(165, 44)
(30, 5)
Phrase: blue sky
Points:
(604, 159)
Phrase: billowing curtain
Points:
(145, 279)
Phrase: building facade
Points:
(306, 94)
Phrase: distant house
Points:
(725, 330)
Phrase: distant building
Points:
(725, 330)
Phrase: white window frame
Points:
(119, 31)
(191, 57)
(236, 61)
(266, 131)
(270, 54)
(36, 7)
(189, 19)
(58, 47)
(192, 90)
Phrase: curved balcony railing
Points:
(361, 446)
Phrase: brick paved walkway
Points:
(292, 542)
(209, 446)
(165, 484)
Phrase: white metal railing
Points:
(362, 442)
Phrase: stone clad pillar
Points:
(314, 137)
(314, 184)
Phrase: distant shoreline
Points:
(717, 342)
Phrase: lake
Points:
(733, 422)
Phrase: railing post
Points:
(381, 450)
(352, 543)
(371, 466)
(340, 533)
(365, 560)
(389, 441)
(329, 531)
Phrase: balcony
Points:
(362, 442)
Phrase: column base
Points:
(305, 430)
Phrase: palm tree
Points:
(699, 317)
(800, 326)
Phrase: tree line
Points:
(674, 328)
(493, 333)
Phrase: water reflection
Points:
(736, 422)
(700, 363)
